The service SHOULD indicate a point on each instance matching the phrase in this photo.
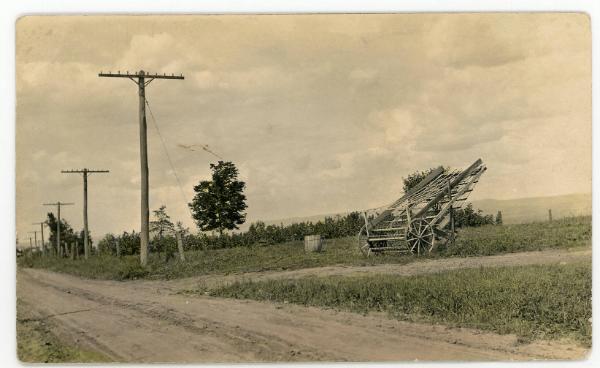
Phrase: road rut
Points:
(149, 321)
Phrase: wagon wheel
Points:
(363, 242)
(420, 236)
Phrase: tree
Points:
(219, 203)
(67, 235)
(161, 226)
(415, 178)
(129, 243)
(499, 218)
(108, 244)
(470, 217)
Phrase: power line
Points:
(162, 140)
(203, 146)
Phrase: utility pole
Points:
(85, 172)
(142, 79)
(58, 204)
(42, 231)
(34, 237)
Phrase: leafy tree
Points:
(470, 217)
(67, 235)
(415, 178)
(129, 243)
(162, 226)
(219, 203)
(108, 244)
(499, 218)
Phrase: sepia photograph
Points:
(272, 188)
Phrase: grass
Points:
(486, 240)
(37, 344)
(549, 301)
(286, 256)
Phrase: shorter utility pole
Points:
(550, 215)
(85, 172)
(58, 204)
(180, 246)
(34, 237)
(42, 231)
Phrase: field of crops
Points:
(549, 301)
(484, 240)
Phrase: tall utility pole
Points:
(42, 231)
(142, 79)
(58, 204)
(85, 172)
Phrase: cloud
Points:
(321, 113)
(397, 125)
(463, 41)
(362, 74)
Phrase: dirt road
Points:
(420, 267)
(149, 322)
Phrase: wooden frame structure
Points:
(424, 217)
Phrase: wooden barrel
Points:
(314, 243)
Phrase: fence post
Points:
(180, 246)
(72, 251)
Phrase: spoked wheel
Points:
(420, 236)
(363, 242)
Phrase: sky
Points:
(320, 113)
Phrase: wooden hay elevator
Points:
(424, 217)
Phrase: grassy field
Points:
(486, 240)
(37, 344)
(550, 301)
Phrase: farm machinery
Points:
(423, 218)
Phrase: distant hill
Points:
(536, 208)
(514, 211)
